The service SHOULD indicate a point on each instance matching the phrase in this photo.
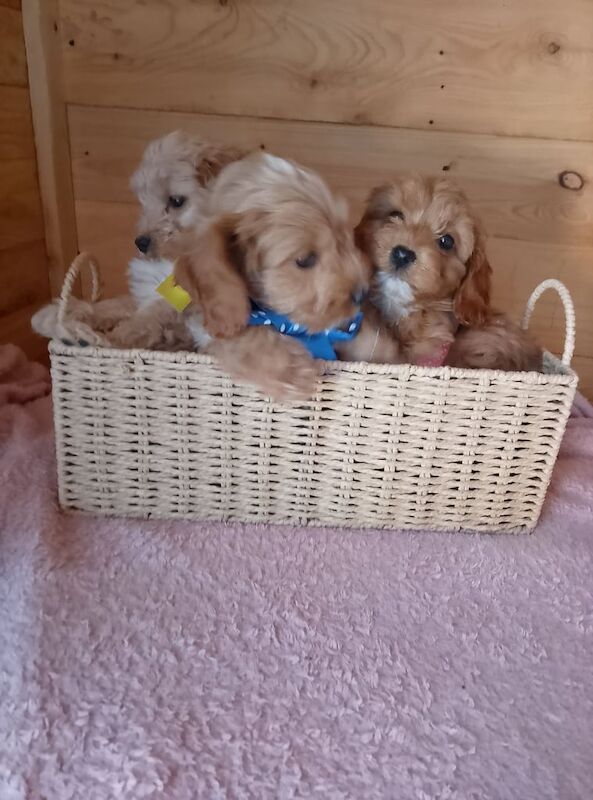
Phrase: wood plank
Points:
(10, 3)
(513, 181)
(16, 328)
(107, 230)
(23, 276)
(51, 135)
(13, 62)
(16, 128)
(21, 219)
(519, 67)
(520, 266)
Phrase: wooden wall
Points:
(24, 284)
(497, 94)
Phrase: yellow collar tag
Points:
(174, 294)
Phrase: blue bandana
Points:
(320, 345)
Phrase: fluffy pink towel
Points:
(185, 661)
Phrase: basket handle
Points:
(569, 314)
(82, 259)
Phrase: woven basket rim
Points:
(564, 376)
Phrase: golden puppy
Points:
(432, 279)
(289, 238)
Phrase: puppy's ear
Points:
(247, 229)
(362, 234)
(377, 210)
(213, 160)
(208, 273)
(472, 301)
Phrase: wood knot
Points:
(553, 48)
(314, 82)
(571, 180)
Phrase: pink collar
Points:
(436, 358)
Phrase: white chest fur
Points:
(394, 296)
(144, 276)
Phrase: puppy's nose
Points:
(359, 296)
(142, 243)
(402, 257)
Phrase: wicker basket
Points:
(147, 434)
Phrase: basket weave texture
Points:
(148, 434)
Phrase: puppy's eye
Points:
(446, 242)
(396, 214)
(307, 261)
(176, 200)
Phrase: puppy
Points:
(171, 184)
(499, 344)
(289, 238)
(432, 280)
(182, 331)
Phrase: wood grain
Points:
(13, 63)
(513, 181)
(107, 230)
(51, 135)
(23, 276)
(21, 219)
(518, 67)
(16, 130)
(23, 261)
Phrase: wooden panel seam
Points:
(51, 135)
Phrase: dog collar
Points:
(320, 345)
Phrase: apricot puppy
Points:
(289, 238)
(432, 281)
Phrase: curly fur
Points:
(267, 213)
(182, 165)
(117, 322)
(176, 165)
(442, 294)
(498, 344)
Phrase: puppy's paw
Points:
(226, 317)
(291, 376)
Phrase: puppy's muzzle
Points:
(143, 243)
(402, 257)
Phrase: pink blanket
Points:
(175, 660)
